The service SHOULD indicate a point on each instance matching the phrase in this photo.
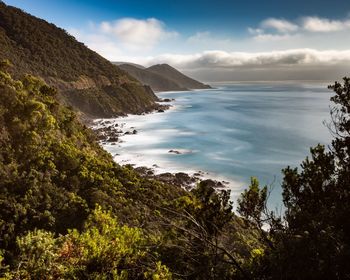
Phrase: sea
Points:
(231, 132)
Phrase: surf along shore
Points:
(116, 133)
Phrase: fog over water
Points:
(234, 131)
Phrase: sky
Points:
(212, 40)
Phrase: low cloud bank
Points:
(282, 65)
(222, 59)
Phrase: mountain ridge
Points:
(162, 77)
(86, 81)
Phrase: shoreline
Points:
(115, 133)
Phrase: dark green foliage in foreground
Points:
(103, 250)
(84, 79)
(312, 240)
(68, 211)
(52, 172)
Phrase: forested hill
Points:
(85, 80)
(68, 211)
(156, 81)
(168, 71)
(162, 77)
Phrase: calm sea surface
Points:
(232, 132)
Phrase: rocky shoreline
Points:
(182, 179)
(109, 132)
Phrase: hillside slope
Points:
(118, 63)
(85, 80)
(156, 81)
(54, 177)
(162, 77)
(170, 72)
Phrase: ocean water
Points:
(232, 132)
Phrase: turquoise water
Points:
(234, 131)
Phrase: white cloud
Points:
(316, 24)
(199, 36)
(309, 24)
(255, 31)
(273, 37)
(98, 42)
(273, 29)
(222, 59)
(137, 33)
(280, 25)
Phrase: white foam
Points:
(135, 149)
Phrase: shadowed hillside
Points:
(162, 77)
(173, 74)
(156, 81)
(85, 80)
(68, 210)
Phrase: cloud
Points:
(271, 28)
(293, 64)
(280, 25)
(137, 33)
(199, 37)
(255, 31)
(272, 37)
(316, 24)
(224, 60)
(124, 38)
(280, 29)
(98, 42)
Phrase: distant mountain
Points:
(156, 81)
(170, 72)
(85, 80)
(129, 63)
(162, 77)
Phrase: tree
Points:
(313, 239)
(195, 245)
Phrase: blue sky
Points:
(221, 16)
(199, 36)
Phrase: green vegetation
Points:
(68, 211)
(83, 78)
(312, 239)
(103, 250)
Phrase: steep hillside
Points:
(171, 73)
(85, 80)
(156, 81)
(54, 178)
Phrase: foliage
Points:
(68, 211)
(312, 240)
(103, 250)
(200, 241)
(252, 202)
(53, 174)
